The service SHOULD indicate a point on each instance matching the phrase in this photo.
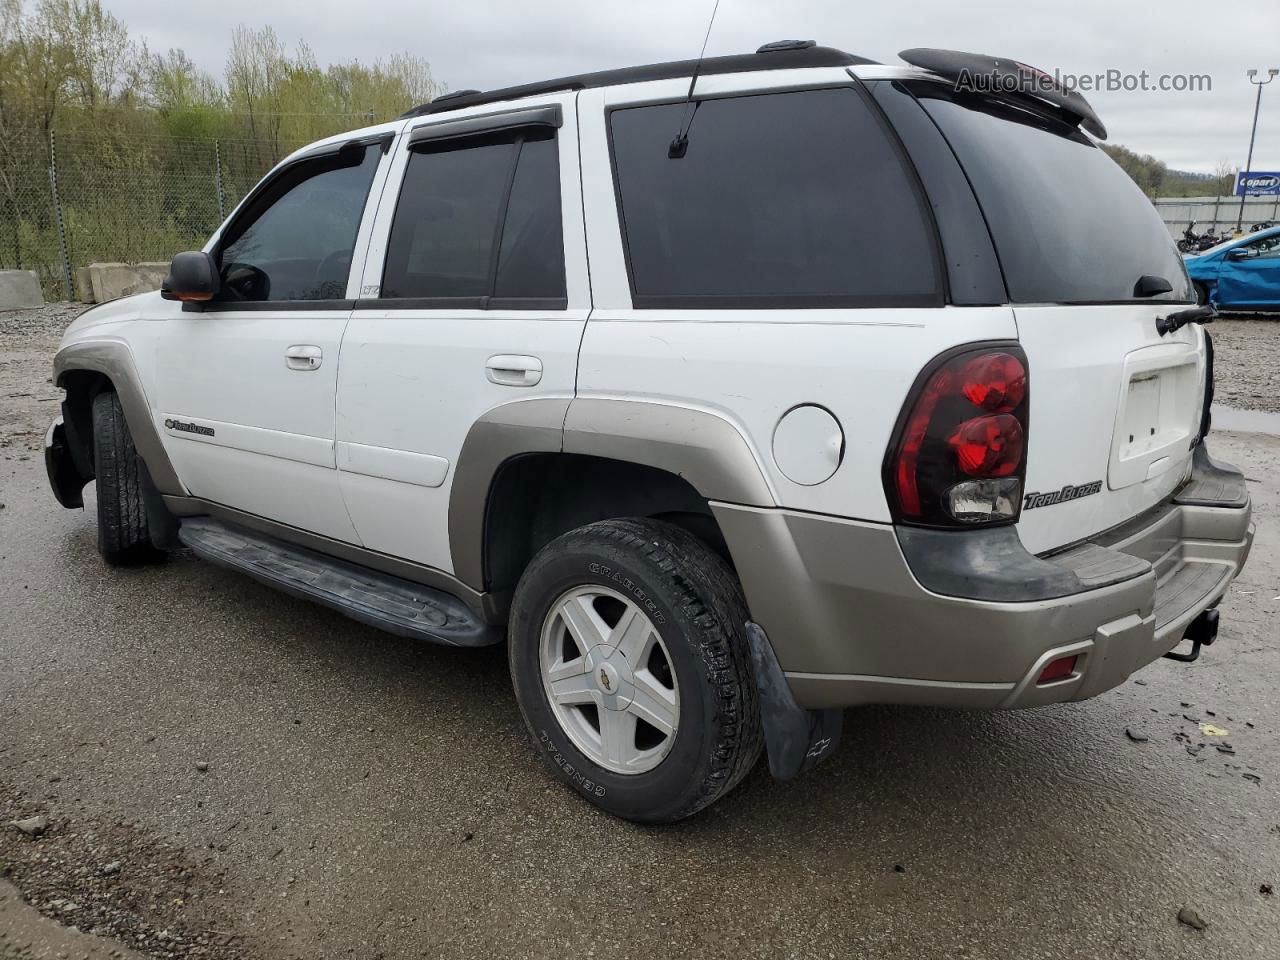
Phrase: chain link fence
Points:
(68, 199)
(1221, 214)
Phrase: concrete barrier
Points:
(20, 288)
(110, 281)
(84, 285)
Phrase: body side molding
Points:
(114, 360)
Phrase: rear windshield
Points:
(1069, 225)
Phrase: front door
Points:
(476, 296)
(246, 384)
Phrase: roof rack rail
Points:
(453, 93)
(781, 55)
(777, 46)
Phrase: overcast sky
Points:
(490, 43)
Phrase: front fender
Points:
(113, 359)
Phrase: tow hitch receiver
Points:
(1202, 631)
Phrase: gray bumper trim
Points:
(850, 622)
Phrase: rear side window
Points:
(1069, 225)
(791, 199)
(479, 220)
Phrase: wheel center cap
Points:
(607, 679)
(611, 676)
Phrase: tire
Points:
(698, 615)
(124, 537)
(1202, 294)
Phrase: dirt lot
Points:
(1248, 363)
(230, 773)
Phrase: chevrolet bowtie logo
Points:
(604, 680)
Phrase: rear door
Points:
(1115, 407)
(474, 295)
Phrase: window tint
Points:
(457, 233)
(792, 198)
(1069, 225)
(442, 237)
(299, 246)
(531, 263)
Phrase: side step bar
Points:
(389, 603)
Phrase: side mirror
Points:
(193, 276)
(1239, 253)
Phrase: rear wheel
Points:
(631, 667)
(124, 536)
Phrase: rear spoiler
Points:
(1009, 79)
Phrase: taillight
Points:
(960, 454)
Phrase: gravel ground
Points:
(230, 773)
(1247, 363)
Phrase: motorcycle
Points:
(1190, 239)
(1209, 239)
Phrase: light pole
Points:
(1257, 103)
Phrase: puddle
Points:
(1245, 421)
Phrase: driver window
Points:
(296, 242)
(1267, 247)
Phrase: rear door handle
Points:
(509, 370)
(303, 356)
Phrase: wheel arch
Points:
(531, 470)
(86, 368)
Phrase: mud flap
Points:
(795, 739)
(65, 480)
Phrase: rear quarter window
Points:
(797, 199)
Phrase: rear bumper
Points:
(866, 613)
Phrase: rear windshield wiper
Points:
(1176, 321)
(1151, 286)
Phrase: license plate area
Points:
(1157, 417)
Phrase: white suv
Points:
(729, 395)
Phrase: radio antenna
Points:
(680, 145)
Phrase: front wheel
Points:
(124, 536)
(631, 667)
(1202, 294)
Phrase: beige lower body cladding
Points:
(110, 281)
(20, 288)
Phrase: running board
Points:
(389, 603)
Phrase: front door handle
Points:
(513, 371)
(303, 356)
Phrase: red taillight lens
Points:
(988, 446)
(996, 382)
(961, 453)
